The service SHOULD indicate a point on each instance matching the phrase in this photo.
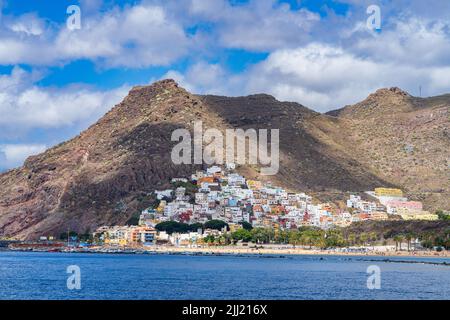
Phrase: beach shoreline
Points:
(234, 250)
(291, 251)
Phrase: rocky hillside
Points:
(106, 174)
(404, 140)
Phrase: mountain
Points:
(404, 140)
(107, 173)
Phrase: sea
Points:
(79, 276)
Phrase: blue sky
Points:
(56, 82)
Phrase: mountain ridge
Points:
(104, 175)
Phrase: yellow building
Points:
(117, 242)
(129, 235)
(267, 222)
(342, 223)
(254, 184)
(234, 227)
(378, 216)
(388, 192)
(408, 214)
(162, 205)
(117, 235)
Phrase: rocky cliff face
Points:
(104, 175)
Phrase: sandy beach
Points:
(233, 250)
(291, 251)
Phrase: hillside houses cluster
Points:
(222, 194)
(390, 204)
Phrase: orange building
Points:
(205, 179)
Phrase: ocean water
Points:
(28, 275)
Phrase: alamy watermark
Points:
(74, 20)
(374, 20)
(238, 146)
(374, 279)
(74, 280)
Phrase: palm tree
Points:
(270, 235)
(373, 237)
(409, 237)
(398, 240)
(364, 237)
(209, 239)
(306, 239)
(340, 240)
(352, 238)
(285, 236)
(294, 238)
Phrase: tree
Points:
(72, 234)
(134, 219)
(242, 234)
(398, 241)
(408, 238)
(334, 238)
(270, 235)
(312, 237)
(179, 227)
(282, 236)
(216, 225)
(246, 225)
(363, 237)
(221, 239)
(352, 238)
(427, 243)
(209, 239)
(439, 241)
(294, 238)
(305, 239)
(191, 188)
(442, 215)
(86, 237)
(373, 237)
(260, 235)
(172, 227)
(195, 226)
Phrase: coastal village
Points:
(221, 194)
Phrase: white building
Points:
(213, 170)
(163, 194)
(180, 193)
(235, 180)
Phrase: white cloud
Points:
(319, 76)
(28, 24)
(313, 76)
(257, 25)
(329, 64)
(325, 77)
(91, 5)
(26, 106)
(136, 36)
(342, 65)
(147, 34)
(13, 155)
(204, 78)
(416, 41)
